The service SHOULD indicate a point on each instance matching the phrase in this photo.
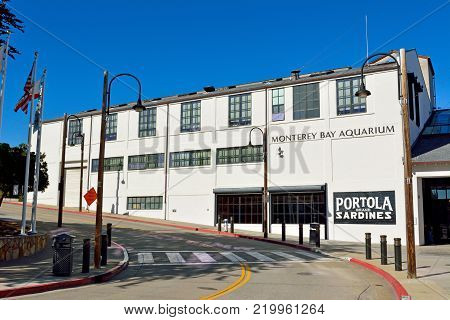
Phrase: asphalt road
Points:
(170, 263)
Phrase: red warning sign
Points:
(90, 196)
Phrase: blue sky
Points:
(181, 46)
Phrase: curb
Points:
(72, 283)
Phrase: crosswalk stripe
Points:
(146, 257)
(259, 256)
(204, 257)
(175, 257)
(309, 254)
(287, 256)
(232, 257)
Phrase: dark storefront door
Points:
(244, 208)
(436, 206)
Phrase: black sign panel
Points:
(377, 207)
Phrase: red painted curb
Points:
(399, 290)
(56, 285)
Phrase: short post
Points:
(368, 246)
(283, 231)
(300, 233)
(383, 249)
(318, 235)
(109, 233)
(232, 224)
(398, 254)
(104, 250)
(219, 223)
(86, 255)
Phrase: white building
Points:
(333, 158)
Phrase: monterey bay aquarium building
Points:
(332, 158)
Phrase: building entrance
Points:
(436, 207)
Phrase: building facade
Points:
(333, 158)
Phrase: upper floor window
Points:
(243, 154)
(147, 122)
(306, 101)
(111, 127)
(145, 203)
(110, 164)
(146, 161)
(278, 104)
(75, 129)
(190, 158)
(240, 110)
(190, 116)
(347, 102)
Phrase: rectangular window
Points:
(190, 116)
(278, 104)
(111, 127)
(244, 208)
(145, 203)
(243, 154)
(347, 102)
(146, 161)
(240, 110)
(295, 208)
(147, 122)
(110, 164)
(75, 128)
(190, 158)
(306, 101)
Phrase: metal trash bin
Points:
(62, 254)
(314, 234)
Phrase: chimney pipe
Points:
(294, 74)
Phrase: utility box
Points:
(314, 234)
(62, 254)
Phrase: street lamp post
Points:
(407, 164)
(264, 134)
(101, 158)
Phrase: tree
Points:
(8, 23)
(12, 167)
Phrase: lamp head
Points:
(362, 92)
(138, 107)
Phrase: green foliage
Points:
(8, 23)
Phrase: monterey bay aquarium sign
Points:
(377, 207)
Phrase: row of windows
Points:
(145, 203)
(306, 105)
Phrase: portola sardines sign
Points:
(376, 207)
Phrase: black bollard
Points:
(219, 223)
(300, 233)
(86, 255)
(398, 254)
(368, 246)
(312, 235)
(109, 233)
(383, 249)
(283, 231)
(232, 224)
(104, 250)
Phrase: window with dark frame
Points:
(147, 122)
(295, 208)
(278, 104)
(111, 127)
(245, 154)
(240, 110)
(244, 208)
(146, 161)
(190, 116)
(347, 102)
(306, 101)
(75, 127)
(110, 164)
(145, 203)
(190, 158)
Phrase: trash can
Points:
(314, 234)
(62, 254)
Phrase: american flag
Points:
(29, 91)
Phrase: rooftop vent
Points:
(231, 87)
(321, 73)
(156, 99)
(294, 74)
(209, 89)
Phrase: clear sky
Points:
(181, 46)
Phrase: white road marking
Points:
(287, 256)
(175, 257)
(204, 257)
(232, 257)
(309, 254)
(145, 257)
(259, 256)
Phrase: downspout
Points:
(166, 165)
(269, 197)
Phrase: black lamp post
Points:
(265, 175)
(407, 163)
(101, 159)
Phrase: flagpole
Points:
(27, 166)
(37, 167)
(2, 93)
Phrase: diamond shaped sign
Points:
(90, 196)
